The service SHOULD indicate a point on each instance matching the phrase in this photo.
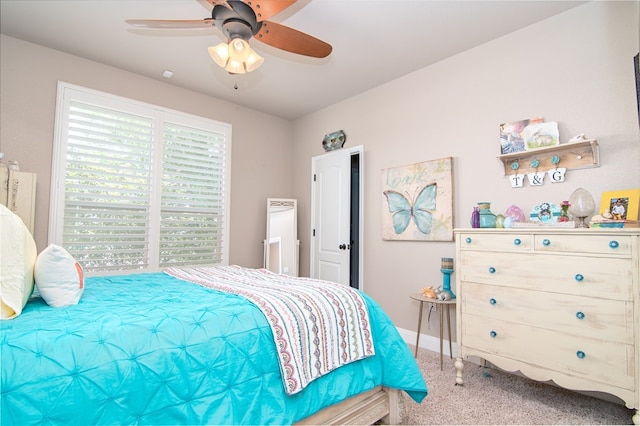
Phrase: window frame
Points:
(66, 93)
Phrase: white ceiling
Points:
(373, 41)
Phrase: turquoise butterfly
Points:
(421, 211)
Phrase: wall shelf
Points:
(574, 155)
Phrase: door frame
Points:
(359, 150)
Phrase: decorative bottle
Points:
(487, 219)
(475, 218)
(447, 268)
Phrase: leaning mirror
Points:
(281, 247)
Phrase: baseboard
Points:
(431, 343)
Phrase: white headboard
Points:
(18, 193)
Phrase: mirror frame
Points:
(287, 256)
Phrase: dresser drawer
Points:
(597, 244)
(496, 242)
(580, 316)
(597, 360)
(606, 278)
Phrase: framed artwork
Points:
(636, 68)
(417, 201)
(540, 135)
(512, 137)
(623, 205)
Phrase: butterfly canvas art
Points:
(417, 201)
(421, 210)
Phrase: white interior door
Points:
(330, 221)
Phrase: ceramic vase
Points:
(487, 219)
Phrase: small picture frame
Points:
(622, 205)
(540, 135)
(511, 135)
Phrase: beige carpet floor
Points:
(493, 397)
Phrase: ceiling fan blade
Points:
(291, 40)
(171, 23)
(264, 9)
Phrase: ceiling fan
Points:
(239, 21)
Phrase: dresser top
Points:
(551, 229)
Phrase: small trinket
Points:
(564, 211)
(334, 140)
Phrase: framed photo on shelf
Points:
(511, 135)
(540, 135)
(623, 205)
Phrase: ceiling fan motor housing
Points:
(233, 28)
(237, 21)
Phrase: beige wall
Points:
(575, 68)
(261, 152)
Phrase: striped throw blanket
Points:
(317, 325)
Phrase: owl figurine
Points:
(334, 140)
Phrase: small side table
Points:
(441, 306)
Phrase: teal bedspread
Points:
(152, 349)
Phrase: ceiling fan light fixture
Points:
(236, 57)
(235, 67)
(253, 61)
(220, 54)
(239, 49)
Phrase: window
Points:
(137, 187)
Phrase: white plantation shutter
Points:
(107, 188)
(193, 196)
(135, 187)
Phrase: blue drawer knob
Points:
(468, 240)
(613, 244)
(579, 277)
(581, 354)
(546, 242)
(580, 315)
(517, 241)
(492, 270)
(493, 334)
(492, 301)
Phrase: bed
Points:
(151, 348)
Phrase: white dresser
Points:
(553, 303)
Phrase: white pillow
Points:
(59, 277)
(17, 258)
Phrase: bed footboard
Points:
(367, 408)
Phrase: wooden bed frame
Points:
(379, 403)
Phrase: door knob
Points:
(342, 246)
